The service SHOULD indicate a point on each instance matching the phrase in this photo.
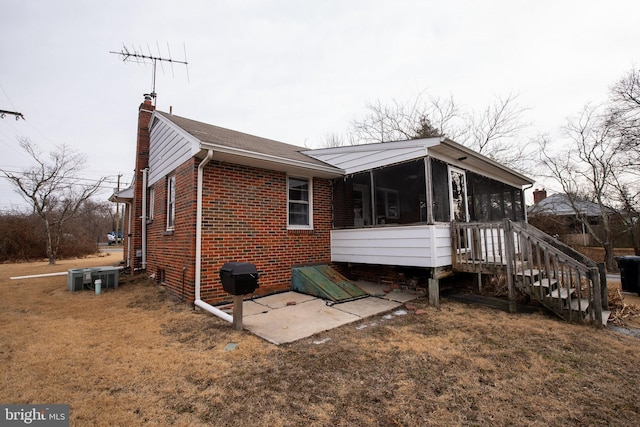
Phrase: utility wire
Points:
(70, 180)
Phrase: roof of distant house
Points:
(559, 204)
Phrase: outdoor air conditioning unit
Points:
(108, 276)
(79, 278)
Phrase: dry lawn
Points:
(134, 356)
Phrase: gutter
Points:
(129, 234)
(198, 302)
(288, 162)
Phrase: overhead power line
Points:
(112, 181)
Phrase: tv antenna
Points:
(139, 57)
(3, 114)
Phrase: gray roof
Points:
(558, 204)
(222, 137)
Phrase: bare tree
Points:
(494, 131)
(624, 108)
(53, 189)
(398, 121)
(628, 197)
(393, 122)
(586, 169)
(334, 139)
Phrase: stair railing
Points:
(536, 262)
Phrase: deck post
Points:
(509, 247)
(434, 292)
(597, 295)
(604, 292)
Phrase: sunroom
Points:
(395, 204)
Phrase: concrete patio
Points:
(290, 316)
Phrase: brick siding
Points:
(244, 219)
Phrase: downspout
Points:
(145, 171)
(198, 302)
(129, 236)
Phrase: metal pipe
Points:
(129, 224)
(198, 302)
(144, 218)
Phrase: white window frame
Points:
(450, 171)
(309, 181)
(152, 203)
(171, 202)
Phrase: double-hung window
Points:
(152, 203)
(299, 209)
(171, 202)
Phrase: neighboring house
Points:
(555, 215)
(205, 195)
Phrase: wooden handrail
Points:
(521, 250)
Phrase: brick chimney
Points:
(142, 162)
(539, 195)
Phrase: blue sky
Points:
(290, 70)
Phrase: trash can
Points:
(629, 273)
(239, 278)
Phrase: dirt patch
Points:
(136, 356)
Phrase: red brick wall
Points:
(384, 274)
(142, 161)
(244, 219)
(174, 250)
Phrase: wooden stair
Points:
(549, 272)
(555, 296)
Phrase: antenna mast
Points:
(140, 58)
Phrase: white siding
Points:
(492, 244)
(168, 149)
(411, 246)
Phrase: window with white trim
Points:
(299, 207)
(171, 202)
(152, 203)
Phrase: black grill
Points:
(239, 278)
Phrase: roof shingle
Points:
(216, 135)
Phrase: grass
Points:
(135, 356)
